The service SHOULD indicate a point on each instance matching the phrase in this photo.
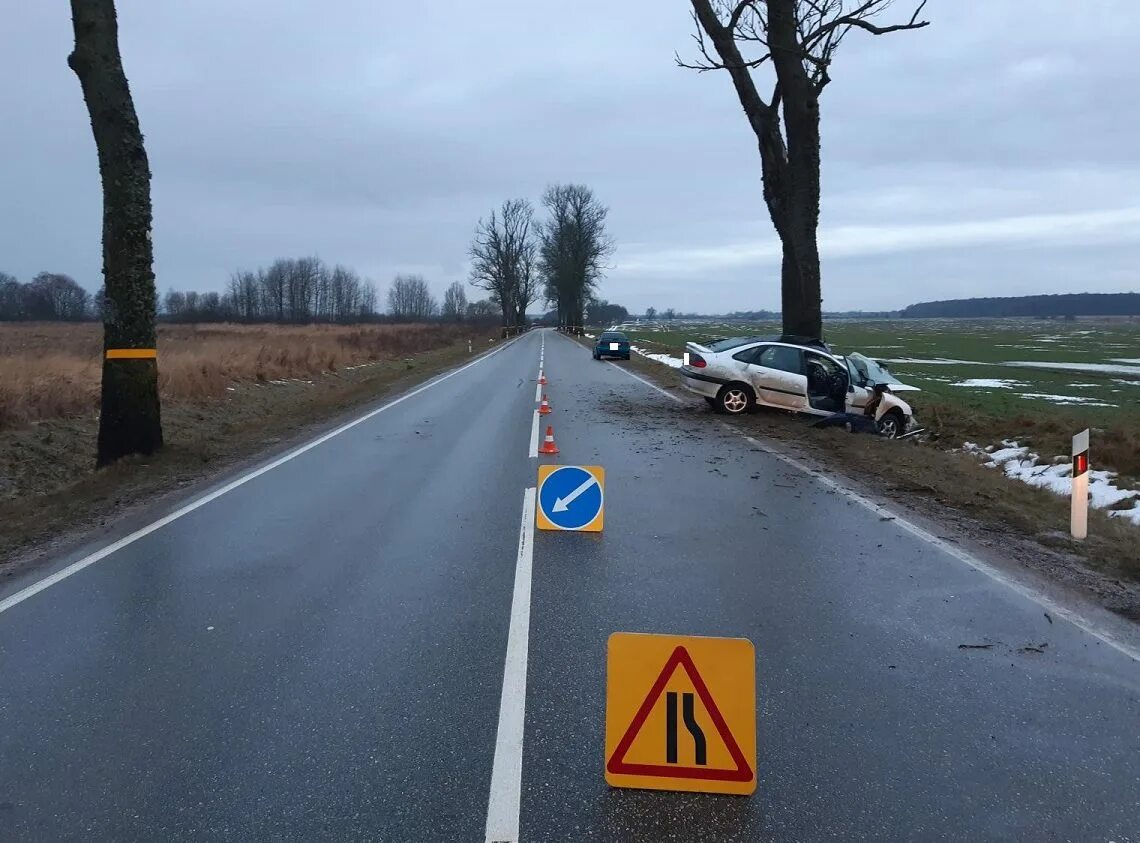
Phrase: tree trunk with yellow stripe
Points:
(130, 420)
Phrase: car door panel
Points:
(775, 385)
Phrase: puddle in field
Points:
(989, 383)
(1067, 399)
(1108, 368)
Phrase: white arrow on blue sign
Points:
(570, 497)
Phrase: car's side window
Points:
(783, 358)
(749, 355)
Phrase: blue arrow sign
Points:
(570, 497)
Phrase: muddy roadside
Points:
(54, 498)
(967, 504)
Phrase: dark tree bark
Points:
(799, 38)
(130, 420)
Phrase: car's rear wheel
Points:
(891, 425)
(735, 399)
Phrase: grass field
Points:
(53, 370)
(988, 381)
(229, 393)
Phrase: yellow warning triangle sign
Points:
(679, 702)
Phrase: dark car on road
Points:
(611, 344)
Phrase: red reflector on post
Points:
(1080, 464)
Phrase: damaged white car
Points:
(801, 375)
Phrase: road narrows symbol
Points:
(654, 686)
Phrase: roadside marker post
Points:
(681, 713)
(1079, 509)
(571, 498)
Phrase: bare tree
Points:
(650, 313)
(57, 297)
(482, 310)
(798, 39)
(130, 419)
(455, 302)
(410, 299)
(11, 298)
(504, 259)
(573, 248)
(367, 300)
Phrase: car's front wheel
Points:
(891, 425)
(734, 399)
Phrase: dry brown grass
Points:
(51, 371)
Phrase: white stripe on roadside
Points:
(75, 567)
(505, 798)
(533, 452)
(1053, 607)
(538, 390)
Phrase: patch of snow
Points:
(231, 389)
(936, 361)
(588, 336)
(1003, 455)
(1067, 399)
(667, 359)
(1132, 514)
(989, 383)
(1083, 385)
(1018, 463)
(1126, 383)
(1076, 367)
(1135, 360)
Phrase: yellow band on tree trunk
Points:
(132, 353)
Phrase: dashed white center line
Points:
(506, 773)
(533, 452)
(537, 393)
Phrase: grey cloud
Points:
(376, 134)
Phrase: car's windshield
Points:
(613, 336)
(870, 371)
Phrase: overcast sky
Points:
(993, 153)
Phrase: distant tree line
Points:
(49, 297)
(1071, 304)
(290, 290)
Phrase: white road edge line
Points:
(533, 452)
(75, 567)
(538, 390)
(958, 553)
(505, 798)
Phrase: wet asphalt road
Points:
(319, 653)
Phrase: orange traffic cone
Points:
(542, 378)
(544, 407)
(548, 446)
